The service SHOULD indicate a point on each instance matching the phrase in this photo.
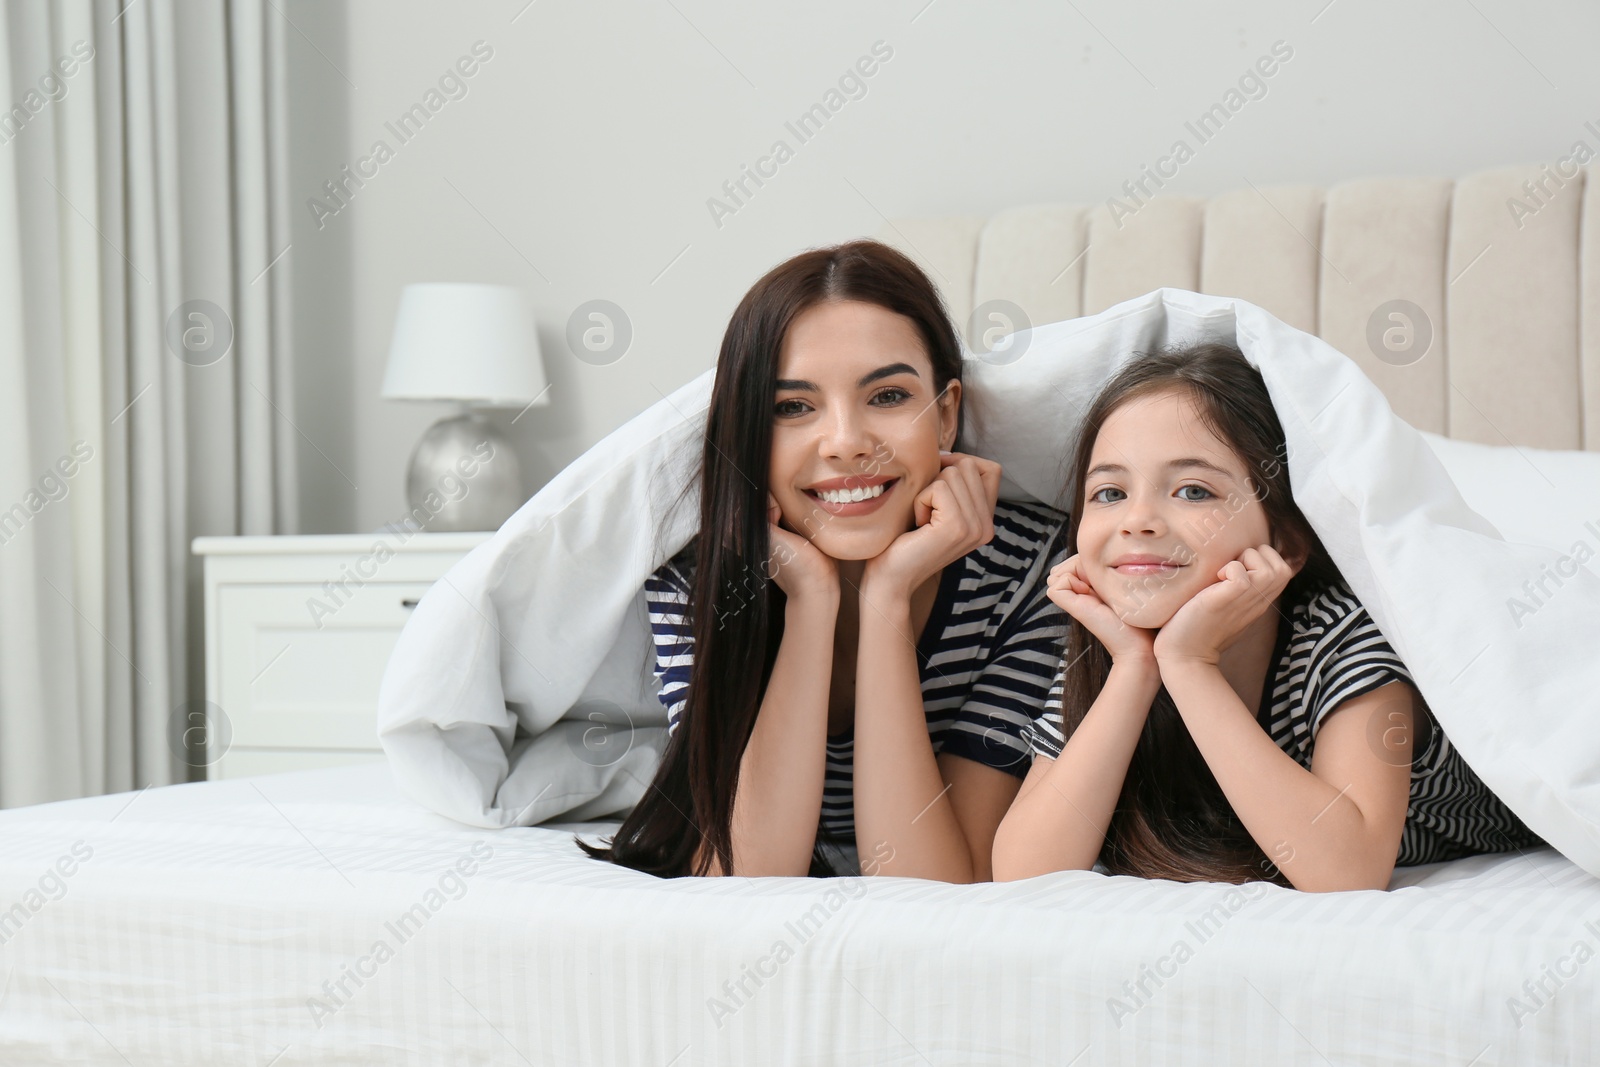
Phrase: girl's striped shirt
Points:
(1329, 650)
(986, 656)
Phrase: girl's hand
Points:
(1073, 594)
(954, 514)
(800, 568)
(1215, 617)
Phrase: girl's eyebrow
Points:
(1185, 463)
(888, 371)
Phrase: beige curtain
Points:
(143, 221)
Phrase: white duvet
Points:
(536, 644)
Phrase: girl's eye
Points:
(1099, 495)
(1096, 496)
(789, 408)
(895, 395)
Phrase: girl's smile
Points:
(1139, 564)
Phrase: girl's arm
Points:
(779, 800)
(1059, 819)
(1335, 826)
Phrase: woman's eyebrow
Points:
(889, 371)
(1173, 465)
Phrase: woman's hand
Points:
(1073, 594)
(800, 568)
(954, 514)
(1215, 617)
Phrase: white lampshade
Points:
(455, 341)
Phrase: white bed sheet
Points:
(206, 918)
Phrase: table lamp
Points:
(475, 344)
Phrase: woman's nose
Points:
(845, 436)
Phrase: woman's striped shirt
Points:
(986, 656)
(1329, 650)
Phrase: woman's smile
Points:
(855, 495)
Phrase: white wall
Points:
(587, 147)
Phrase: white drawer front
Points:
(300, 669)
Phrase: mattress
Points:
(320, 917)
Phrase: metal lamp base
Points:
(464, 475)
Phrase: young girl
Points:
(851, 648)
(1226, 710)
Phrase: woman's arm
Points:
(1059, 819)
(779, 800)
(1335, 826)
(901, 807)
(904, 818)
(980, 795)
(986, 746)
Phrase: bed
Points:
(240, 922)
(328, 917)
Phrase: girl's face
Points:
(856, 413)
(1166, 503)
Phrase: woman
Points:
(852, 647)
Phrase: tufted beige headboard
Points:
(1504, 265)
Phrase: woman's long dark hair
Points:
(1172, 818)
(735, 610)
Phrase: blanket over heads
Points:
(522, 687)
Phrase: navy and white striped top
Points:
(986, 656)
(1329, 650)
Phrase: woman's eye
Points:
(1202, 490)
(1100, 496)
(789, 408)
(892, 395)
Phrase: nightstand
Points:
(298, 632)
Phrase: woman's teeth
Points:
(850, 496)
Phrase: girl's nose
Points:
(1142, 516)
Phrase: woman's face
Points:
(856, 414)
(1166, 504)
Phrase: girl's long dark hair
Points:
(736, 611)
(1172, 818)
